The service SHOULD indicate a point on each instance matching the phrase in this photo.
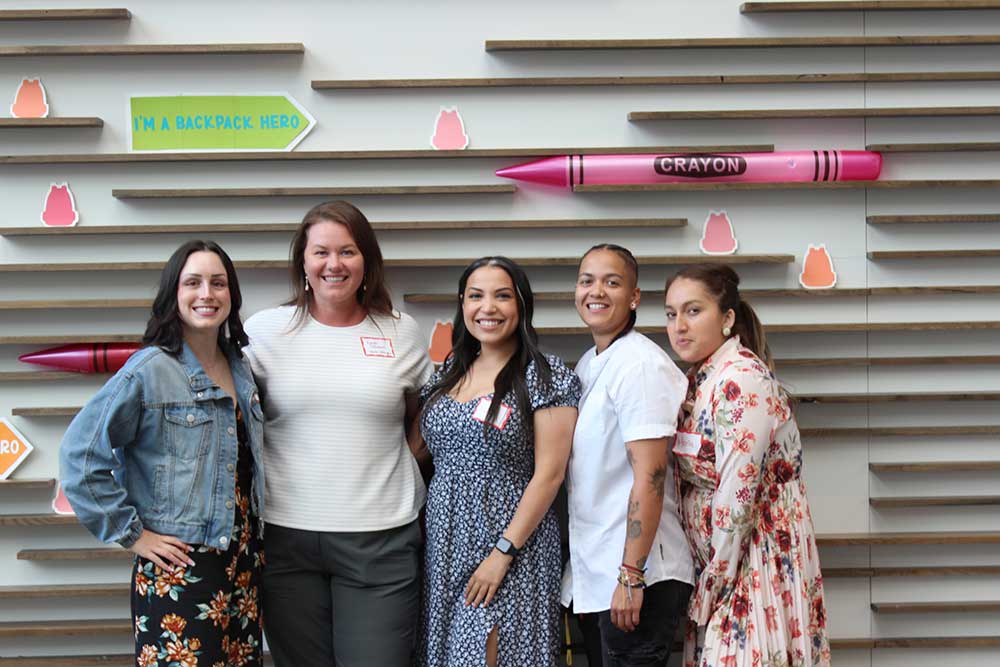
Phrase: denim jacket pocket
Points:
(189, 430)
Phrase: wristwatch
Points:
(506, 547)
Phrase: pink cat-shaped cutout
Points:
(60, 208)
(60, 504)
(718, 237)
(449, 131)
(30, 101)
(817, 269)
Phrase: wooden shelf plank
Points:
(978, 606)
(293, 48)
(933, 290)
(674, 80)
(737, 42)
(45, 411)
(22, 484)
(347, 191)
(78, 304)
(63, 122)
(38, 520)
(866, 6)
(932, 219)
(936, 467)
(876, 255)
(899, 431)
(956, 147)
(65, 591)
(909, 538)
(405, 225)
(899, 397)
(835, 185)
(758, 114)
(70, 338)
(48, 376)
(807, 328)
(939, 642)
(101, 14)
(899, 502)
(92, 627)
(99, 554)
(383, 154)
(959, 360)
(929, 571)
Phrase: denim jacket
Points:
(156, 448)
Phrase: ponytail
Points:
(751, 333)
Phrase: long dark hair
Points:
(373, 294)
(633, 267)
(164, 328)
(465, 348)
(723, 283)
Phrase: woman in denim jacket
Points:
(166, 461)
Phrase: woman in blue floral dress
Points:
(492, 568)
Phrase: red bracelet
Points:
(633, 569)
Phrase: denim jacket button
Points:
(223, 541)
(229, 467)
(230, 430)
(229, 504)
(200, 394)
(190, 418)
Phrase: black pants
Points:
(344, 599)
(664, 606)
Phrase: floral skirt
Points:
(206, 614)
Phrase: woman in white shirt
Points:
(629, 562)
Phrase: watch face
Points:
(504, 546)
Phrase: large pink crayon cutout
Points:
(449, 131)
(60, 207)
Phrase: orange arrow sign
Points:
(14, 448)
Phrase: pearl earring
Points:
(726, 331)
(633, 305)
(307, 284)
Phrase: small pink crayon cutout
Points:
(30, 100)
(449, 131)
(60, 504)
(60, 208)
(440, 342)
(83, 357)
(780, 167)
(718, 237)
(817, 268)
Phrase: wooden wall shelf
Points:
(932, 254)
(958, 218)
(407, 225)
(38, 520)
(65, 591)
(809, 328)
(930, 571)
(68, 339)
(902, 502)
(99, 554)
(90, 627)
(898, 431)
(866, 6)
(348, 191)
(960, 360)
(673, 80)
(294, 48)
(41, 123)
(979, 606)
(45, 411)
(939, 642)
(47, 376)
(936, 147)
(102, 14)
(769, 114)
(737, 42)
(936, 467)
(909, 538)
(80, 304)
(918, 396)
(27, 484)
(835, 185)
(300, 156)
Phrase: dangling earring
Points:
(307, 283)
(726, 331)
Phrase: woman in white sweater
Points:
(339, 373)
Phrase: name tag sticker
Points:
(503, 414)
(377, 347)
(687, 444)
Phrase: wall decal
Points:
(60, 207)
(83, 357)
(449, 131)
(14, 448)
(440, 342)
(718, 237)
(817, 268)
(30, 100)
(60, 503)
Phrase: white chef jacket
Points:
(631, 391)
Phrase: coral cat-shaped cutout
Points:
(440, 342)
(60, 504)
(60, 209)
(817, 269)
(30, 102)
(718, 237)
(449, 131)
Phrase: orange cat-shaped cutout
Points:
(60, 504)
(449, 131)
(718, 237)
(440, 342)
(817, 269)
(60, 209)
(30, 102)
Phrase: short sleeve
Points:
(428, 387)
(561, 391)
(415, 365)
(647, 394)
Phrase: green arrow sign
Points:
(266, 122)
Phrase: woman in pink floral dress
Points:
(758, 598)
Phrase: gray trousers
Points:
(341, 599)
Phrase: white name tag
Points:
(377, 347)
(687, 444)
(503, 414)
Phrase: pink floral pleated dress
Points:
(758, 598)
